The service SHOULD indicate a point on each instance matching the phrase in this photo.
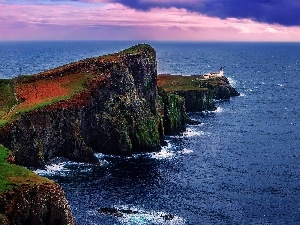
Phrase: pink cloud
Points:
(170, 1)
(115, 21)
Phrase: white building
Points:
(214, 74)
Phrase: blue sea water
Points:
(239, 166)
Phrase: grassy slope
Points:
(182, 83)
(12, 176)
(35, 93)
(171, 83)
(7, 98)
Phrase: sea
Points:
(239, 165)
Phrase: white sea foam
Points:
(165, 152)
(281, 85)
(162, 154)
(143, 217)
(192, 132)
(242, 94)
(53, 169)
(231, 81)
(101, 158)
(219, 109)
(63, 168)
(186, 151)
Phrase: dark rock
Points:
(224, 90)
(116, 114)
(168, 217)
(35, 205)
(4, 220)
(198, 100)
(111, 211)
(120, 112)
(172, 109)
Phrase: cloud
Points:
(116, 21)
(284, 12)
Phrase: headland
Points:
(114, 104)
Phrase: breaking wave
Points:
(144, 217)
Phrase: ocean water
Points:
(240, 165)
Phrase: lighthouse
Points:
(221, 72)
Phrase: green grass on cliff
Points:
(12, 176)
(62, 87)
(136, 49)
(7, 98)
(171, 83)
(3, 154)
(77, 83)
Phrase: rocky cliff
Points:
(107, 104)
(199, 94)
(113, 104)
(173, 112)
(26, 198)
(35, 205)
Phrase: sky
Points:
(177, 20)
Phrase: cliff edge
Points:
(199, 93)
(26, 198)
(114, 104)
(105, 104)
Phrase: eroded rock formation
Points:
(116, 112)
(109, 104)
(35, 205)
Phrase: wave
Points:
(144, 217)
(54, 169)
(67, 168)
(169, 152)
(219, 109)
(164, 153)
(186, 151)
(232, 81)
(190, 132)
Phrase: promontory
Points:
(113, 104)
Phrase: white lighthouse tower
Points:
(221, 73)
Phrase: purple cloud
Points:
(284, 12)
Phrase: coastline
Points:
(92, 87)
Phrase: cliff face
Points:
(173, 112)
(114, 113)
(197, 100)
(198, 93)
(121, 117)
(26, 198)
(223, 89)
(35, 205)
(108, 104)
